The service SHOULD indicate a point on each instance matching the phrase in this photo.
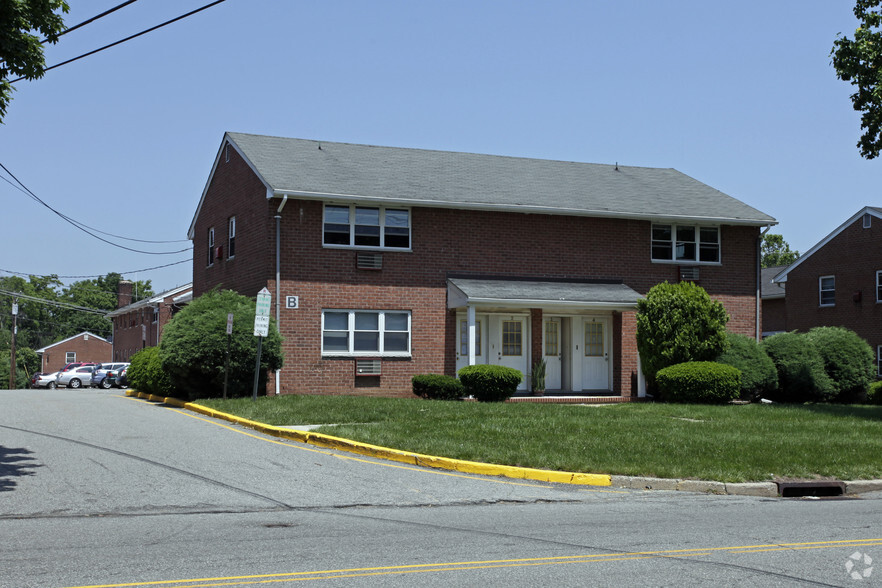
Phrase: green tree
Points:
(677, 323)
(776, 251)
(21, 50)
(858, 61)
(194, 345)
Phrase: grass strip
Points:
(725, 443)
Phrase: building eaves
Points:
(51, 345)
(153, 300)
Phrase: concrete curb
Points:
(761, 489)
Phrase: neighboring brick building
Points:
(394, 262)
(838, 282)
(774, 306)
(140, 324)
(85, 347)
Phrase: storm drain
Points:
(819, 489)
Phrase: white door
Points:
(462, 339)
(595, 353)
(552, 349)
(509, 344)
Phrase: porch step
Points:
(569, 399)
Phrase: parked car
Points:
(99, 375)
(46, 380)
(119, 378)
(76, 377)
(72, 365)
(34, 377)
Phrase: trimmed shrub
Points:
(437, 387)
(848, 361)
(678, 323)
(759, 377)
(145, 373)
(700, 381)
(874, 395)
(194, 345)
(490, 383)
(801, 375)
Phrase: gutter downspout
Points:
(278, 218)
(759, 281)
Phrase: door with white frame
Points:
(552, 350)
(595, 353)
(509, 344)
(462, 340)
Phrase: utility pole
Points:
(12, 348)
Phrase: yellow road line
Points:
(487, 564)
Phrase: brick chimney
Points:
(124, 293)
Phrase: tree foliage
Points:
(677, 323)
(21, 49)
(859, 61)
(776, 251)
(194, 345)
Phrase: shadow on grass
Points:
(15, 462)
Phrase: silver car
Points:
(76, 377)
(46, 380)
(99, 376)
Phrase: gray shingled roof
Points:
(566, 293)
(770, 289)
(417, 177)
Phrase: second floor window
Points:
(210, 246)
(827, 290)
(231, 237)
(366, 226)
(685, 243)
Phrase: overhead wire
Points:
(69, 220)
(137, 271)
(90, 20)
(129, 38)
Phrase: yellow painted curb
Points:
(446, 463)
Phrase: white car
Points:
(46, 380)
(76, 377)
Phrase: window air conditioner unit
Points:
(369, 261)
(368, 367)
(689, 273)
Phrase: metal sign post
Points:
(261, 330)
(227, 358)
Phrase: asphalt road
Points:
(97, 489)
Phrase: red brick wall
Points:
(91, 350)
(853, 258)
(774, 315)
(444, 241)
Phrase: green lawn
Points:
(726, 443)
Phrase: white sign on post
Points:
(262, 313)
(230, 323)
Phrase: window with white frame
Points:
(827, 290)
(366, 332)
(210, 260)
(231, 237)
(879, 361)
(685, 243)
(879, 286)
(155, 314)
(70, 356)
(366, 226)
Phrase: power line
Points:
(146, 269)
(93, 19)
(55, 303)
(69, 220)
(73, 220)
(121, 41)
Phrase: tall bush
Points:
(194, 345)
(678, 323)
(848, 361)
(490, 383)
(801, 375)
(145, 373)
(759, 378)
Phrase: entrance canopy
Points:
(508, 294)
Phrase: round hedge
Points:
(437, 387)
(848, 361)
(759, 378)
(700, 381)
(801, 375)
(490, 383)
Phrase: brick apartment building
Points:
(838, 282)
(85, 347)
(385, 262)
(774, 305)
(140, 324)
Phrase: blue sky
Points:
(739, 95)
